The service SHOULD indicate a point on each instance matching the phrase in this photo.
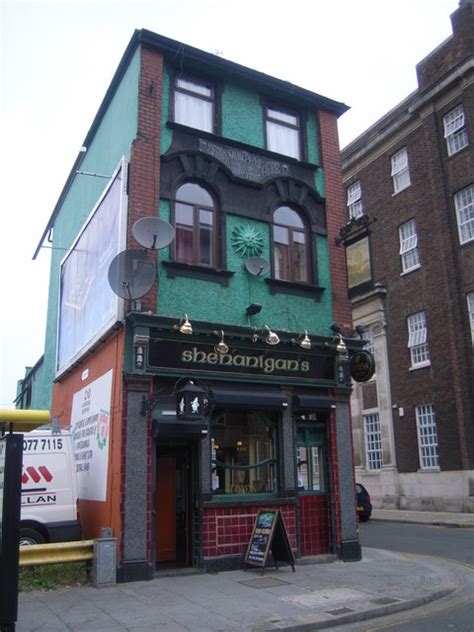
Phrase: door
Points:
(172, 504)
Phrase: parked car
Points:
(364, 506)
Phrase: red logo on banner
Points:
(36, 474)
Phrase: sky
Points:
(58, 58)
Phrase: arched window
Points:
(195, 223)
(290, 248)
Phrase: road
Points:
(454, 613)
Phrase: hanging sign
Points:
(269, 534)
(362, 366)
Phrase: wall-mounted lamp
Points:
(271, 338)
(302, 341)
(139, 357)
(221, 346)
(253, 308)
(336, 328)
(184, 326)
(360, 329)
(341, 345)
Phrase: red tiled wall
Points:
(314, 526)
(227, 531)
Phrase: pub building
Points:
(199, 332)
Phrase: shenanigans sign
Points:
(172, 356)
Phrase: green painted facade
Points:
(112, 140)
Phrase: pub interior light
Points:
(184, 326)
(221, 346)
(271, 338)
(303, 341)
(341, 345)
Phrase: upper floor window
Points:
(194, 104)
(427, 436)
(418, 340)
(409, 246)
(290, 250)
(455, 131)
(354, 201)
(400, 171)
(373, 441)
(283, 132)
(464, 203)
(470, 309)
(195, 224)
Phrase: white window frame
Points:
(283, 129)
(455, 131)
(400, 171)
(427, 437)
(373, 442)
(470, 311)
(418, 340)
(409, 252)
(202, 97)
(464, 204)
(354, 200)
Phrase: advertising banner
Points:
(90, 430)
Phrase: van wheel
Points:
(31, 536)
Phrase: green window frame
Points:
(244, 458)
(311, 459)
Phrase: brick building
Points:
(242, 300)
(410, 254)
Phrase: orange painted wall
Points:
(94, 514)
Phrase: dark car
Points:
(364, 506)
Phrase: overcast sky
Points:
(58, 59)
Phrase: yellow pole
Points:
(23, 420)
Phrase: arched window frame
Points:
(196, 259)
(292, 277)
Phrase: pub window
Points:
(290, 246)
(195, 224)
(194, 103)
(310, 459)
(243, 453)
(283, 132)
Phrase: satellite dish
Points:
(132, 274)
(257, 266)
(153, 233)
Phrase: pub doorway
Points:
(173, 507)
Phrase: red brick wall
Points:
(336, 216)
(227, 530)
(145, 155)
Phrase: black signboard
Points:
(362, 366)
(266, 365)
(11, 452)
(269, 534)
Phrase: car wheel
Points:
(31, 536)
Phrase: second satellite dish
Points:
(132, 274)
(257, 266)
(153, 233)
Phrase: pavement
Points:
(322, 593)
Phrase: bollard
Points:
(104, 568)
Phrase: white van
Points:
(48, 488)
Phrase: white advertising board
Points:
(90, 430)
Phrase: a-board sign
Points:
(269, 534)
(11, 451)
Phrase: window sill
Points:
(176, 268)
(419, 366)
(400, 190)
(410, 270)
(278, 286)
(250, 500)
(428, 470)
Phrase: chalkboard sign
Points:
(269, 534)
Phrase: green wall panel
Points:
(242, 116)
(112, 140)
(166, 134)
(210, 301)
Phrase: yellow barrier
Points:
(36, 554)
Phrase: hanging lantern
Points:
(191, 402)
